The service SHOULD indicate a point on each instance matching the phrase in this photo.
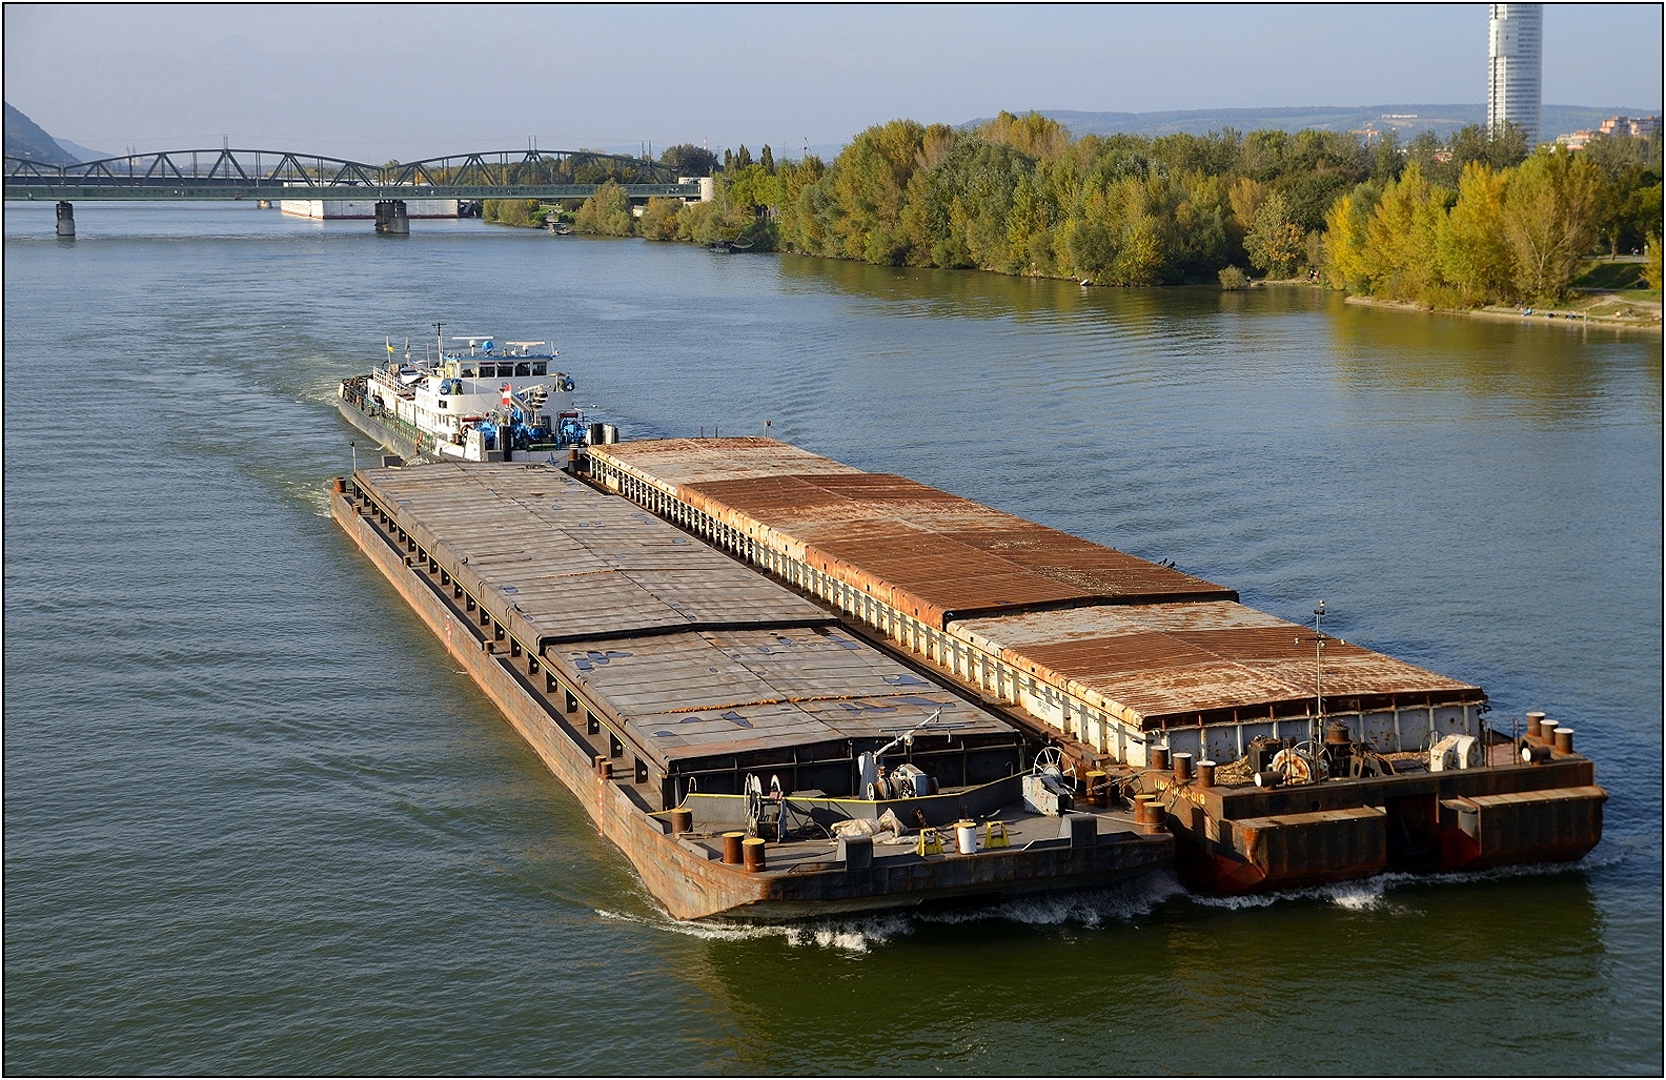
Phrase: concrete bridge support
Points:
(66, 219)
(391, 218)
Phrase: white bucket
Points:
(966, 837)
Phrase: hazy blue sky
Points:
(383, 81)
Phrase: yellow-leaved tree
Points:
(1551, 209)
(1474, 255)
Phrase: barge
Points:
(1278, 755)
(750, 756)
(784, 687)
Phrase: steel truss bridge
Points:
(225, 173)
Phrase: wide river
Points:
(256, 822)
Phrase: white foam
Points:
(1372, 894)
(1368, 894)
(1093, 908)
(856, 935)
(1085, 907)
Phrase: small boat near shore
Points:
(477, 400)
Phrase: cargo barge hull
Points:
(679, 841)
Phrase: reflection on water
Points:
(1544, 373)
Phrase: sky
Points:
(381, 81)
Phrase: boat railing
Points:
(388, 419)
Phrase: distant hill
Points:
(81, 152)
(1408, 120)
(25, 139)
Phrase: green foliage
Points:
(1275, 244)
(752, 186)
(724, 218)
(527, 213)
(606, 213)
(1551, 210)
(1233, 278)
(659, 219)
(1473, 254)
(1462, 221)
(867, 185)
(1614, 153)
(1651, 262)
(689, 160)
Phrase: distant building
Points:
(1638, 127)
(708, 188)
(1615, 127)
(1515, 51)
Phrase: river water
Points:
(255, 821)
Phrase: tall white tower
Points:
(1515, 39)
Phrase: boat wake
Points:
(1093, 908)
(1373, 894)
(1088, 908)
(851, 935)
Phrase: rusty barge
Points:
(1278, 756)
(785, 687)
(729, 736)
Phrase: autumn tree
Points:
(659, 218)
(1473, 253)
(1551, 209)
(606, 213)
(867, 185)
(1033, 135)
(1348, 263)
(1275, 244)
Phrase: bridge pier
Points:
(66, 219)
(391, 219)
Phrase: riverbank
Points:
(1607, 310)
(1618, 310)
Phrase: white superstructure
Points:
(479, 402)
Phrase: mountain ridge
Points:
(26, 139)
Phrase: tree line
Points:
(1471, 219)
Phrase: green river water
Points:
(256, 822)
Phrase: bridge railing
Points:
(257, 171)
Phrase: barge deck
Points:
(718, 727)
